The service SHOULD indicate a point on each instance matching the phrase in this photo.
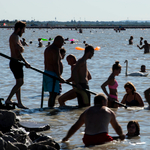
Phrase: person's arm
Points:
(139, 99)
(71, 78)
(17, 44)
(75, 127)
(140, 47)
(19, 50)
(124, 99)
(89, 76)
(56, 60)
(103, 86)
(116, 126)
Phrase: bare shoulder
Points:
(109, 110)
(13, 37)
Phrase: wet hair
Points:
(20, 24)
(137, 132)
(62, 50)
(89, 48)
(98, 99)
(71, 56)
(116, 66)
(131, 86)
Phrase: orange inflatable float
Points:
(81, 49)
(97, 48)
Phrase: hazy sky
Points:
(67, 10)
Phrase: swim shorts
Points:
(48, 82)
(17, 69)
(83, 96)
(97, 139)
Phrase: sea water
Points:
(114, 46)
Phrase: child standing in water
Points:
(112, 84)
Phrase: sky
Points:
(79, 10)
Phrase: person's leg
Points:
(67, 96)
(51, 100)
(16, 90)
(19, 83)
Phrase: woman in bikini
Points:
(112, 84)
(132, 98)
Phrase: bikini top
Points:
(113, 86)
(133, 102)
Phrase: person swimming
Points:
(143, 68)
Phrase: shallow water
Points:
(114, 46)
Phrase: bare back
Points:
(81, 72)
(16, 47)
(97, 119)
(52, 59)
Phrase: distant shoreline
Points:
(83, 27)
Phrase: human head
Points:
(130, 86)
(20, 27)
(59, 41)
(145, 42)
(89, 49)
(100, 99)
(141, 38)
(143, 68)
(133, 128)
(39, 39)
(116, 68)
(71, 59)
(62, 52)
(131, 37)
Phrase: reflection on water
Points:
(114, 46)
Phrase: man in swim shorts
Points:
(96, 120)
(52, 59)
(16, 49)
(80, 76)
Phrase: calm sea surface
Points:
(114, 46)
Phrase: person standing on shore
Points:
(52, 59)
(80, 76)
(96, 120)
(17, 49)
